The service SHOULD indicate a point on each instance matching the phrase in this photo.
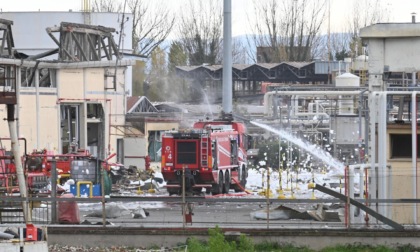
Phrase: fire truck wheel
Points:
(226, 185)
(242, 182)
(218, 187)
(244, 176)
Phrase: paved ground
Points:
(208, 215)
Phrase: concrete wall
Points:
(313, 239)
(392, 47)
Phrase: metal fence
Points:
(205, 212)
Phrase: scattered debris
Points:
(321, 215)
(286, 213)
(6, 236)
(114, 210)
(139, 213)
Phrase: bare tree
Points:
(200, 31)
(239, 52)
(340, 45)
(151, 23)
(288, 30)
(106, 6)
(364, 13)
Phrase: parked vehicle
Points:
(210, 155)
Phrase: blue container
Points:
(97, 190)
(84, 190)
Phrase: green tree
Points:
(158, 90)
(177, 56)
(341, 55)
(180, 87)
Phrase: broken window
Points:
(95, 129)
(7, 78)
(46, 77)
(70, 127)
(94, 111)
(110, 78)
(155, 145)
(27, 77)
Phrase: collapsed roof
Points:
(76, 43)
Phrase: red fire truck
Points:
(211, 155)
(36, 174)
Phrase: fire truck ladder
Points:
(204, 151)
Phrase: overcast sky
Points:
(399, 10)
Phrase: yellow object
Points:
(266, 192)
(311, 186)
(151, 189)
(62, 177)
(90, 184)
(281, 195)
(313, 195)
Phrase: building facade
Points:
(70, 95)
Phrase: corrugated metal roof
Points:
(213, 67)
(187, 68)
(268, 65)
(297, 64)
(241, 67)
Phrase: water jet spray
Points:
(313, 149)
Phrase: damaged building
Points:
(70, 90)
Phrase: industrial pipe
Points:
(227, 57)
(414, 149)
(382, 156)
(268, 97)
(18, 162)
(382, 153)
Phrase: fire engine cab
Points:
(210, 155)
